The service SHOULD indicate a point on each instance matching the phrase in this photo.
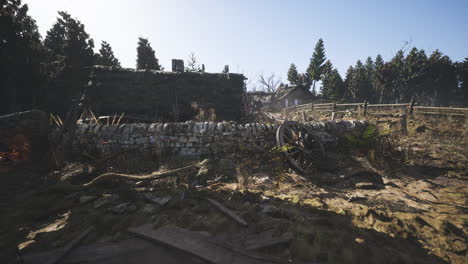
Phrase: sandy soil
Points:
(356, 207)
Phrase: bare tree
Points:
(269, 83)
(192, 64)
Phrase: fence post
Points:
(411, 107)
(333, 112)
(365, 107)
(403, 127)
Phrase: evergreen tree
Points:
(70, 54)
(368, 89)
(377, 80)
(370, 68)
(357, 82)
(146, 58)
(414, 74)
(332, 83)
(338, 86)
(21, 53)
(293, 75)
(442, 79)
(326, 89)
(349, 86)
(68, 45)
(316, 63)
(463, 81)
(396, 66)
(378, 61)
(303, 79)
(106, 56)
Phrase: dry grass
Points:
(437, 142)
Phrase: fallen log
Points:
(200, 245)
(67, 248)
(153, 176)
(227, 212)
(260, 242)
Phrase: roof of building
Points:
(283, 92)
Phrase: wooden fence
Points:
(377, 109)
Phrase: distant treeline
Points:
(47, 73)
(429, 80)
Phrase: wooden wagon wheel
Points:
(300, 145)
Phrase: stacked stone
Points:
(196, 138)
(155, 94)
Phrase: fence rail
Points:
(374, 109)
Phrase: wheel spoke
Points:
(303, 148)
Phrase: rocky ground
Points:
(398, 199)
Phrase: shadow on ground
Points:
(41, 217)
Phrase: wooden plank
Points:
(387, 105)
(62, 252)
(326, 104)
(440, 113)
(354, 104)
(133, 250)
(199, 245)
(227, 212)
(259, 242)
(441, 108)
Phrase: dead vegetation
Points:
(381, 199)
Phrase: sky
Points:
(266, 36)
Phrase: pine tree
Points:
(338, 86)
(146, 58)
(326, 89)
(377, 84)
(21, 53)
(349, 92)
(396, 66)
(303, 79)
(106, 56)
(293, 75)
(70, 54)
(441, 78)
(368, 89)
(356, 82)
(332, 83)
(414, 75)
(370, 67)
(68, 45)
(316, 63)
(463, 80)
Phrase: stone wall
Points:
(24, 133)
(188, 139)
(164, 96)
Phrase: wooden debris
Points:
(133, 250)
(260, 241)
(67, 248)
(153, 176)
(157, 200)
(227, 212)
(200, 245)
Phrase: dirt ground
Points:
(403, 200)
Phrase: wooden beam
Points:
(202, 246)
(227, 212)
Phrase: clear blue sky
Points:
(255, 36)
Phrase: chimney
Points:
(177, 65)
